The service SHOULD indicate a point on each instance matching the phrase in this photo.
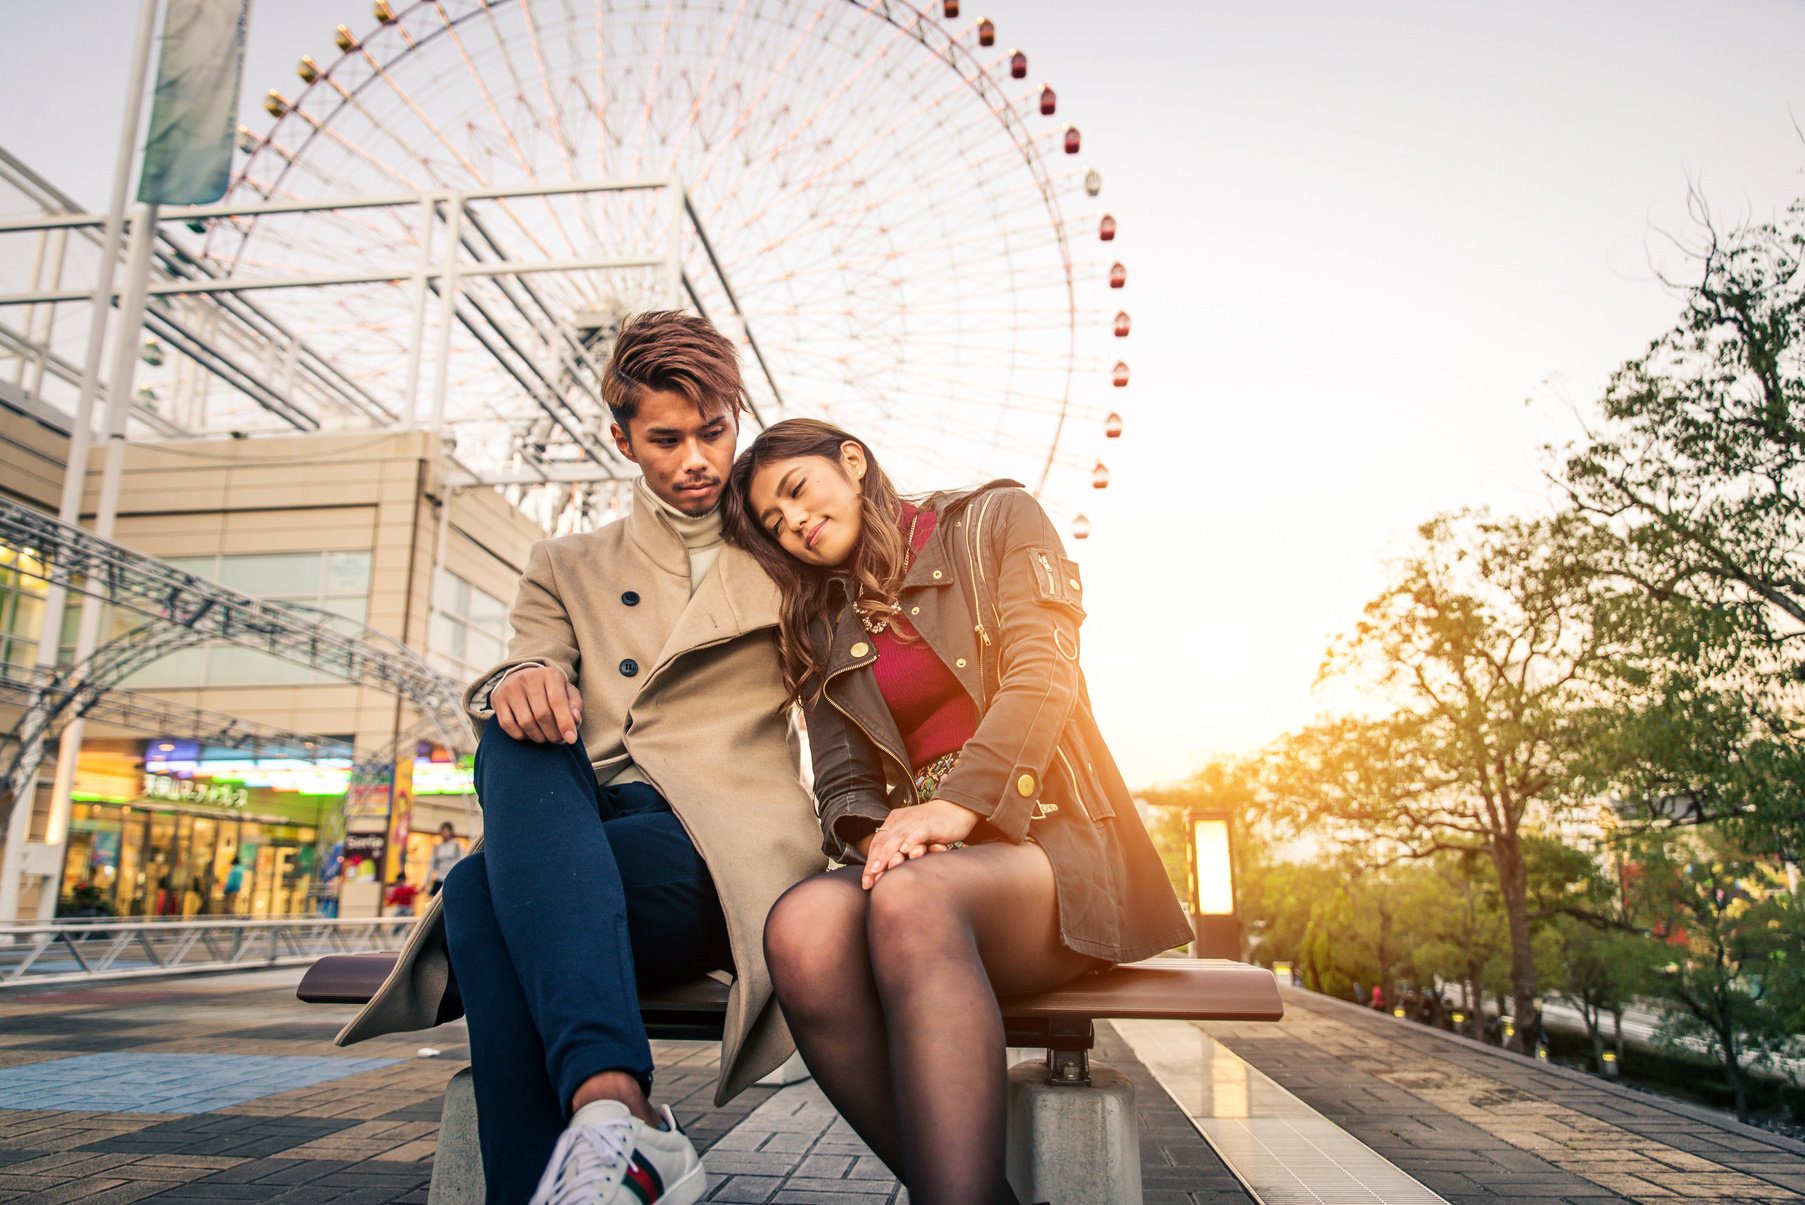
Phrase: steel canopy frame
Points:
(185, 610)
(148, 713)
(669, 259)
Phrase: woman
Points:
(991, 847)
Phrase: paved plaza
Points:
(227, 1089)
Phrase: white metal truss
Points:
(184, 609)
(20, 685)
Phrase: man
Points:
(642, 810)
(445, 855)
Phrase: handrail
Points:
(90, 949)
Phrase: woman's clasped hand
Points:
(912, 832)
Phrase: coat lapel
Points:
(735, 598)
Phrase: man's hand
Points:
(913, 832)
(537, 704)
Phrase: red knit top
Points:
(931, 709)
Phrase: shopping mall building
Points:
(360, 526)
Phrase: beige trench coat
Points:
(699, 715)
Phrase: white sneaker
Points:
(606, 1156)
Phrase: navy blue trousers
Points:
(579, 894)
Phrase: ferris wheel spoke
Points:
(380, 71)
(865, 368)
(964, 83)
(778, 69)
(913, 183)
(482, 86)
(990, 244)
(832, 101)
(703, 93)
(331, 133)
(568, 151)
(645, 116)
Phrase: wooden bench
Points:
(1059, 1136)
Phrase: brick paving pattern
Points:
(366, 1137)
(1480, 1127)
(1477, 1127)
(288, 1134)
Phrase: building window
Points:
(336, 583)
(21, 607)
(469, 627)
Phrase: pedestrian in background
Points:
(401, 896)
(445, 855)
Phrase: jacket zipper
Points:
(975, 572)
(908, 773)
(1077, 787)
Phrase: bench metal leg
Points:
(1073, 1138)
(457, 1164)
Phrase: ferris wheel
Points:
(877, 201)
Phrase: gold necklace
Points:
(862, 606)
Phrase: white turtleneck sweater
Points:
(701, 534)
(702, 540)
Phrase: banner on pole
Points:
(194, 113)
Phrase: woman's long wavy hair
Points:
(878, 563)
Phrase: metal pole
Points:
(448, 302)
(119, 407)
(75, 469)
(673, 253)
(31, 311)
(35, 386)
(411, 390)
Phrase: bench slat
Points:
(1179, 989)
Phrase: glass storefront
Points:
(148, 860)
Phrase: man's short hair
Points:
(672, 352)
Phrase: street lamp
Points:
(1209, 859)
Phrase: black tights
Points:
(892, 997)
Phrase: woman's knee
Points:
(812, 926)
(914, 911)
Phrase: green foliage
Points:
(1697, 461)
(1734, 977)
(86, 900)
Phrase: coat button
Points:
(629, 667)
(914, 610)
(936, 575)
(631, 598)
(1024, 786)
(859, 649)
(960, 663)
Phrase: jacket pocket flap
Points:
(1056, 579)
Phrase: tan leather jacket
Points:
(995, 597)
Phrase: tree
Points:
(1488, 648)
(1698, 461)
(1734, 941)
(1600, 971)
(1701, 453)
(1458, 930)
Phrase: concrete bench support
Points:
(457, 1164)
(1074, 1136)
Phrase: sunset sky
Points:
(1359, 238)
